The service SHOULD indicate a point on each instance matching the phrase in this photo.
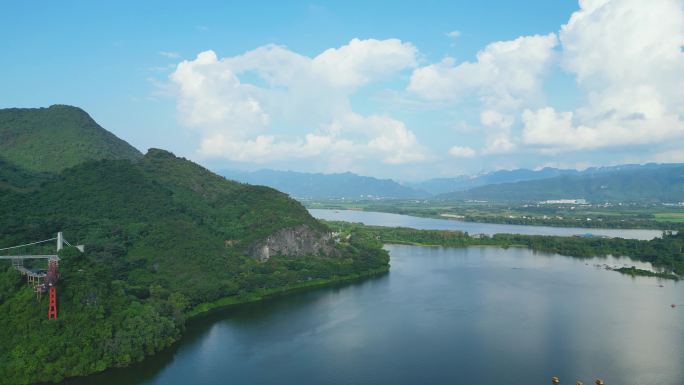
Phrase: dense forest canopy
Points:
(156, 232)
(164, 237)
(54, 138)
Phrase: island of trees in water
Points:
(665, 253)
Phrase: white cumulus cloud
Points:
(505, 74)
(362, 61)
(492, 118)
(627, 57)
(246, 107)
(211, 96)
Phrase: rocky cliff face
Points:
(294, 241)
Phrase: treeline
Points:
(633, 271)
(665, 252)
(608, 222)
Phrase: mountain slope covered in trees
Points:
(54, 138)
(164, 237)
(17, 178)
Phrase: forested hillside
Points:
(54, 138)
(17, 178)
(164, 237)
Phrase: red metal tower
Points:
(35, 277)
(52, 309)
(51, 281)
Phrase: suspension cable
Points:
(28, 244)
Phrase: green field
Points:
(670, 217)
(625, 216)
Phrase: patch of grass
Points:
(670, 217)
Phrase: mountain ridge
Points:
(649, 183)
(57, 137)
(352, 186)
(326, 186)
(437, 186)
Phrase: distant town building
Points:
(564, 202)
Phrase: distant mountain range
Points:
(326, 186)
(634, 183)
(629, 183)
(464, 182)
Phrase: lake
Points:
(387, 219)
(477, 315)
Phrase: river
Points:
(477, 315)
(386, 219)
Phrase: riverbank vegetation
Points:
(108, 319)
(665, 253)
(633, 271)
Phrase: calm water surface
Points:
(387, 219)
(479, 315)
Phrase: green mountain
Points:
(165, 239)
(15, 177)
(438, 186)
(54, 138)
(632, 183)
(326, 186)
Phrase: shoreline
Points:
(207, 308)
(262, 294)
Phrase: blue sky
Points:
(389, 89)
